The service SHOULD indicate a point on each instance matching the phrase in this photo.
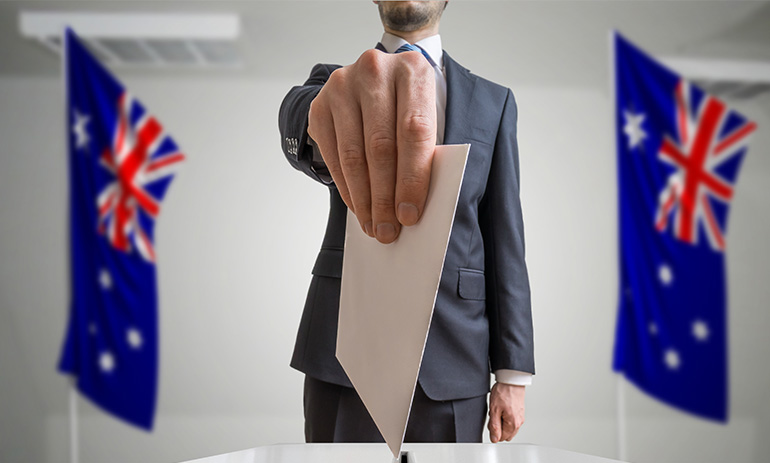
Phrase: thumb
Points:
(495, 427)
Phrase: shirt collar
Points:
(432, 45)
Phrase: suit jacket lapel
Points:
(460, 84)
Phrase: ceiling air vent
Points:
(737, 80)
(143, 40)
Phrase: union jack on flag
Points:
(679, 151)
(139, 155)
(121, 163)
(698, 151)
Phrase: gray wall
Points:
(238, 235)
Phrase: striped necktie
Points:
(410, 47)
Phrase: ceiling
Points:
(525, 42)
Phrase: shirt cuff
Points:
(514, 377)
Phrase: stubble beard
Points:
(409, 17)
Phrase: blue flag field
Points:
(120, 164)
(679, 152)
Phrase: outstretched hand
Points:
(374, 123)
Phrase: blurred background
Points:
(240, 228)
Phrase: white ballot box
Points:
(420, 453)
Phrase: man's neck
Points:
(414, 36)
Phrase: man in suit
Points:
(367, 131)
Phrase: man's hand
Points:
(506, 411)
(375, 125)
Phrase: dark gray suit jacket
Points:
(482, 318)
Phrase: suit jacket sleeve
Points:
(500, 218)
(293, 120)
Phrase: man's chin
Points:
(408, 16)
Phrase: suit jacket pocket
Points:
(470, 284)
(328, 263)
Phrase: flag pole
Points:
(74, 437)
(73, 394)
(620, 406)
(621, 418)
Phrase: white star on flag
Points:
(105, 279)
(665, 275)
(672, 359)
(700, 330)
(134, 338)
(633, 128)
(106, 362)
(79, 129)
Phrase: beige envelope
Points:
(387, 298)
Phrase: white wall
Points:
(237, 238)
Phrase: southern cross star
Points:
(633, 129)
(79, 129)
(700, 330)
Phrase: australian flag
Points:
(679, 153)
(120, 164)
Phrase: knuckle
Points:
(418, 127)
(371, 65)
(353, 165)
(414, 67)
(370, 55)
(370, 61)
(336, 87)
(337, 80)
(412, 182)
(363, 210)
(382, 143)
(379, 93)
(413, 58)
(382, 203)
(427, 74)
(351, 155)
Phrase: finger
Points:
(494, 426)
(515, 431)
(321, 130)
(508, 428)
(348, 128)
(416, 135)
(379, 115)
(518, 424)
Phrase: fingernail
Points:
(408, 214)
(368, 228)
(386, 232)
